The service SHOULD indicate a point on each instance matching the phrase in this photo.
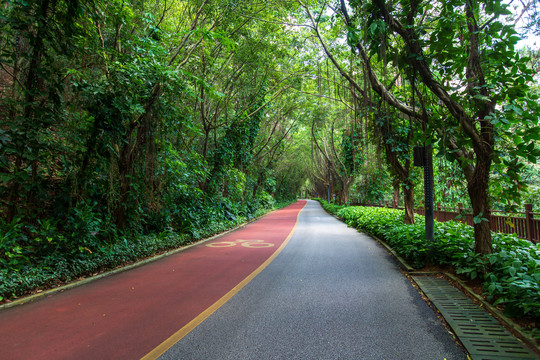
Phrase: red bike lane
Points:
(141, 312)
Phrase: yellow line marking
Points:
(177, 336)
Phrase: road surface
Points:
(332, 293)
(296, 284)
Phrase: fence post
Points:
(530, 225)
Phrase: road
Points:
(296, 284)
(332, 293)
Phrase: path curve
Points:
(332, 293)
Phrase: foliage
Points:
(124, 119)
(372, 185)
(448, 74)
(127, 120)
(20, 275)
(59, 268)
(510, 275)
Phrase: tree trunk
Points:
(125, 165)
(478, 187)
(395, 200)
(408, 198)
(402, 171)
(32, 84)
(12, 203)
(258, 183)
(345, 186)
(140, 126)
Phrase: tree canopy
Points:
(123, 118)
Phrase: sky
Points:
(532, 41)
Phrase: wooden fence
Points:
(525, 225)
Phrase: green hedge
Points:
(57, 269)
(511, 275)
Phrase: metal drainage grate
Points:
(481, 334)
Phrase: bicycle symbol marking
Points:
(253, 244)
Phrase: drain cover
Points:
(481, 334)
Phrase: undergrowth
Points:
(21, 274)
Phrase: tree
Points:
(397, 148)
(456, 50)
(33, 49)
(114, 116)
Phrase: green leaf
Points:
(352, 37)
(481, 97)
(323, 19)
(509, 223)
(499, 301)
(478, 218)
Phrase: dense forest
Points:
(168, 119)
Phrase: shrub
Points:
(63, 259)
(62, 267)
(330, 207)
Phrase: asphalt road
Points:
(332, 293)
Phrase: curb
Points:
(410, 271)
(48, 293)
(507, 322)
(402, 263)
